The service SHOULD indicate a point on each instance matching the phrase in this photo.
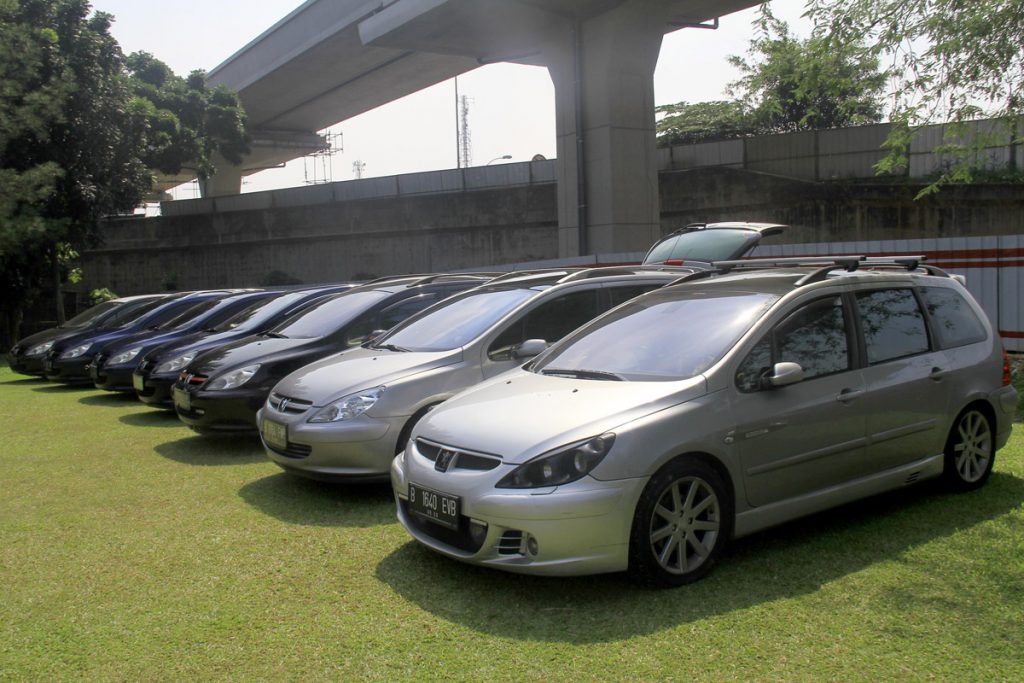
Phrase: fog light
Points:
(531, 545)
(477, 531)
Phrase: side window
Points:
(953, 319)
(550, 321)
(360, 329)
(893, 324)
(814, 336)
(393, 315)
(619, 295)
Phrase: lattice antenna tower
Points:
(319, 166)
(465, 136)
(358, 167)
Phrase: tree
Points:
(949, 61)
(786, 85)
(791, 85)
(81, 128)
(684, 123)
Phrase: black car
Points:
(68, 359)
(223, 388)
(28, 355)
(159, 368)
(113, 364)
(701, 243)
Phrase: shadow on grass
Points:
(109, 399)
(795, 559)
(64, 388)
(213, 451)
(23, 381)
(153, 418)
(295, 500)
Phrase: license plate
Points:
(183, 399)
(275, 434)
(94, 371)
(442, 508)
(138, 382)
(48, 365)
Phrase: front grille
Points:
(146, 365)
(287, 404)
(461, 460)
(511, 543)
(460, 539)
(293, 450)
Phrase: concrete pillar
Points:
(611, 91)
(227, 180)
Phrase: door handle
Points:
(847, 395)
(937, 374)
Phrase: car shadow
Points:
(64, 388)
(787, 561)
(109, 399)
(152, 418)
(213, 451)
(295, 500)
(23, 381)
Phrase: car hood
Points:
(519, 414)
(49, 334)
(248, 350)
(361, 368)
(195, 341)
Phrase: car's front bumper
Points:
(108, 378)
(154, 390)
(232, 410)
(360, 449)
(578, 528)
(68, 370)
(26, 365)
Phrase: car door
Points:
(905, 378)
(809, 435)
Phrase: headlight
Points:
(233, 379)
(76, 351)
(561, 466)
(124, 356)
(348, 407)
(175, 364)
(40, 349)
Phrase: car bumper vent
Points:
(511, 543)
(298, 451)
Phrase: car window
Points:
(329, 316)
(893, 324)
(953, 319)
(550, 321)
(662, 336)
(815, 336)
(622, 294)
(360, 331)
(714, 244)
(457, 321)
(93, 313)
(183, 319)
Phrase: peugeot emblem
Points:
(283, 405)
(444, 460)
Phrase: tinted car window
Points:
(329, 316)
(93, 313)
(129, 313)
(954, 321)
(550, 321)
(458, 321)
(893, 324)
(814, 336)
(703, 245)
(620, 295)
(189, 315)
(655, 338)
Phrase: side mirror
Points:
(373, 335)
(784, 374)
(529, 348)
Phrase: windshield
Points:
(253, 310)
(183, 319)
(663, 336)
(328, 316)
(127, 315)
(93, 313)
(456, 323)
(715, 244)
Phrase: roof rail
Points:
(848, 261)
(434, 277)
(695, 275)
(512, 274)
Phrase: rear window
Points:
(953, 319)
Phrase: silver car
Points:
(346, 416)
(709, 410)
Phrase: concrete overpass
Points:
(330, 60)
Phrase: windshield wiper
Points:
(275, 335)
(389, 347)
(582, 374)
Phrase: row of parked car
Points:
(572, 421)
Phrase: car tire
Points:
(970, 451)
(682, 522)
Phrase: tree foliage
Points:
(948, 61)
(82, 127)
(787, 84)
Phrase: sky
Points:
(512, 108)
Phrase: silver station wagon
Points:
(345, 417)
(708, 410)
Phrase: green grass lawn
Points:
(132, 550)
